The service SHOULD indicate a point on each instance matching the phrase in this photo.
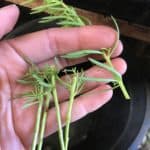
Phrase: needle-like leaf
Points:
(105, 80)
(107, 67)
(117, 36)
(82, 53)
(26, 105)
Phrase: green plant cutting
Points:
(43, 81)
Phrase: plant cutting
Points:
(44, 80)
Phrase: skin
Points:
(17, 124)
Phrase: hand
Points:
(17, 124)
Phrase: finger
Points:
(61, 63)
(83, 105)
(46, 44)
(7, 130)
(9, 16)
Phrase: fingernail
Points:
(8, 7)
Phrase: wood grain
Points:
(37, 3)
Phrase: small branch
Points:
(71, 99)
(38, 119)
(120, 81)
(123, 89)
(43, 122)
(60, 131)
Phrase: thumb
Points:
(8, 16)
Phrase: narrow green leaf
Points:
(85, 20)
(105, 66)
(98, 79)
(48, 5)
(30, 99)
(67, 23)
(62, 82)
(39, 9)
(53, 17)
(56, 9)
(26, 82)
(105, 49)
(81, 53)
(108, 89)
(41, 81)
(118, 35)
(26, 105)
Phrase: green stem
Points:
(107, 58)
(38, 119)
(60, 131)
(123, 89)
(43, 123)
(68, 120)
(120, 82)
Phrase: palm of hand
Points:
(17, 124)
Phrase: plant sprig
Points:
(43, 81)
(106, 54)
(65, 15)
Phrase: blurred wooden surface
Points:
(38, 2)
(130, 30)
(94, 17)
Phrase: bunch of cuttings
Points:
(44, 81)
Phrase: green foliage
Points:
(82, 53)
(43, 81)
(107, 67)
(58, 11)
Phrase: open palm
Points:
(17, 124)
